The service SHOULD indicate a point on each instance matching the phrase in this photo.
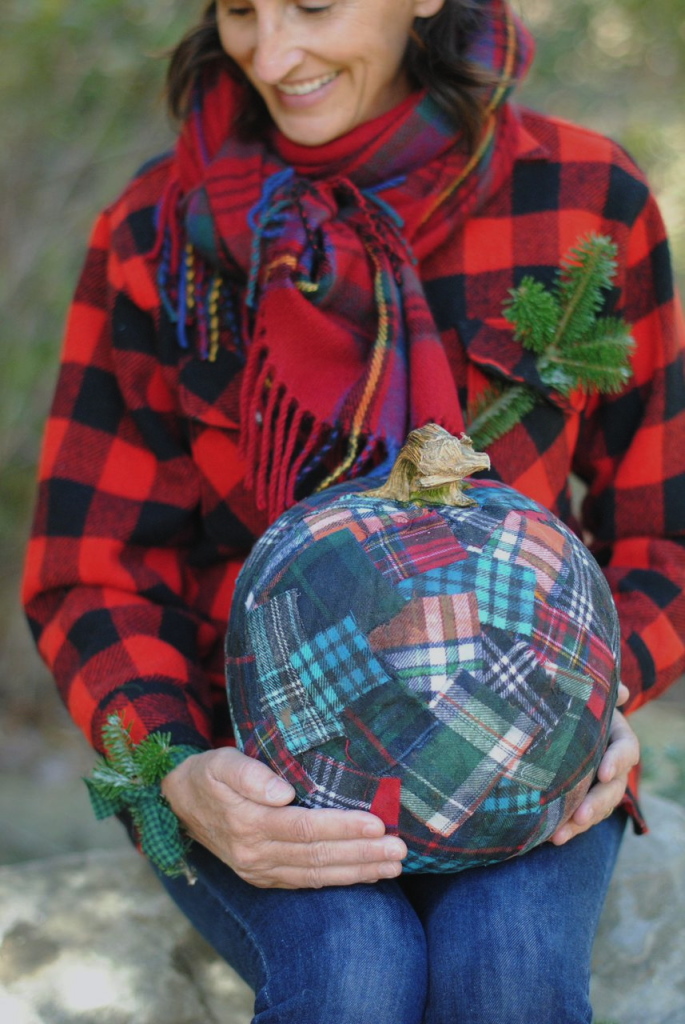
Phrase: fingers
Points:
(299, 837)
(623, 750)
(239, 809)
(622, 754)
(257, 784)
(600, 803)
(313, 865)
(304, 825)
(251, 779)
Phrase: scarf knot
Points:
(291, 219)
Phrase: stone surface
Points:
(639, 962)
(93, 939)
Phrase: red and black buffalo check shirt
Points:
(143, 519)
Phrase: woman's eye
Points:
(243, 10)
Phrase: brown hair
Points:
(435, 60)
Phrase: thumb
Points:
(623, 695)
(254, 780)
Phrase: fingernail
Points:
(279, 789)
(395, 849)
(373, 829)
(390, 870)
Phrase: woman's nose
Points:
(276, 52)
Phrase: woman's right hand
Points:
(239, 809)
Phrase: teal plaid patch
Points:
(337, 666)
(505, 592)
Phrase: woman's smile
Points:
(307, 87)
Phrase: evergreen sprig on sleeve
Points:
(128, 778)
(576, 348)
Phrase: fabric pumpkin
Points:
(451, 668)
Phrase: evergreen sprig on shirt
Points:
(576, 347)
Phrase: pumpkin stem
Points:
(431, 469)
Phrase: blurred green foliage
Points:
(80, 95)
(81, 101)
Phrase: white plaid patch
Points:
(508, 673)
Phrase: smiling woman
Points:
(322, 70)
(433, 53)
(325, 262)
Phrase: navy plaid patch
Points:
(515, 673)
(338, 784)
(574, 598)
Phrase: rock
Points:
(639, 961)
(93, 939)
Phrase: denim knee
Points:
(363, 963)
(522, 988)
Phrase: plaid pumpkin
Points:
(452, 670)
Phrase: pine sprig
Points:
(595, 362)
(116, 739)
(128, 779)
(576, 348)
(535, 313)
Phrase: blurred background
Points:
(81, 108)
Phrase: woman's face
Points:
(322, 67)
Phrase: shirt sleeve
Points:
(631, 455)
(108, 587)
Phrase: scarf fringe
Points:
(281, 443)
(272, 427)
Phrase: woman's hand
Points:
(622, 754)
(238, 808)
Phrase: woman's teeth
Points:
(304, 88)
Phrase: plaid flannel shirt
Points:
(143, 519)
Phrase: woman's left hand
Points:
(622, 754)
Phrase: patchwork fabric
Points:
(431, 640)
(451, 670)
(334, 565)
(530, 543)
(504, 592)
(417, 545)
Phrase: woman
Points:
(320, 265)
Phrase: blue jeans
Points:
(506, 944)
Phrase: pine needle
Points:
(127, 764)
(499, 409)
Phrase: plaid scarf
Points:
(316, 270)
